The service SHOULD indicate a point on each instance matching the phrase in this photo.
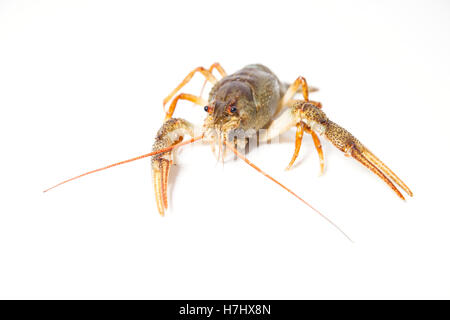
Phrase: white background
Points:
(81, 86)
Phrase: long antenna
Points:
(129, 160)
(237, 153)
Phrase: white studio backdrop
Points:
(82, 84)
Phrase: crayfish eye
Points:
(233, 109)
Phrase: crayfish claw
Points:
(161, 168)
(352, 147)
(361, 158)
(171, 134)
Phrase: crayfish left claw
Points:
(347, 143)
(361, 158)
(316, 119)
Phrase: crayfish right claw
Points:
(170, 134)
(161, 168)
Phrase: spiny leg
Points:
(285, 121)
(318, 146)
(299, 83)
(301, 127)
(184, 96)
(298, 143)
(208, 75)
(219, 68)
